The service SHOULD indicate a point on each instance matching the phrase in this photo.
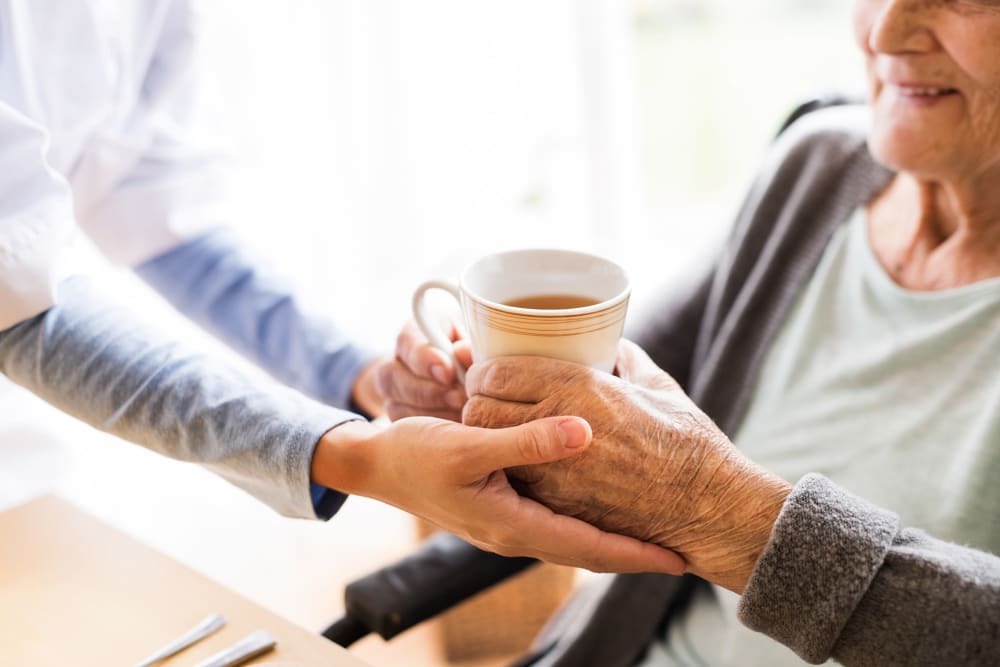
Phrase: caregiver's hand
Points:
(658, 469)
(452, 475)
(421, 380)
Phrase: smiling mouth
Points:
(923, 91)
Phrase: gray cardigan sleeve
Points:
(841, 578)
(669, 332)
(93, 359)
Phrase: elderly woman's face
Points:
(934, 71)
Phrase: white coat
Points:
(102, 128)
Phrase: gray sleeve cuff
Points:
(840, 579)
(276, 467)
(826, 548)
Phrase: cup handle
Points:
(434, 335)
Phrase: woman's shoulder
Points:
(816, 173)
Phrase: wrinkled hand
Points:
(658, 469)
(452, 475)
(421, 380)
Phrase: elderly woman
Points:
(851, 328)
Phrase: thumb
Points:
(539, 441)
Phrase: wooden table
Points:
(77, 592)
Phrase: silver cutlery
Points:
(193, 636)
(248, 648)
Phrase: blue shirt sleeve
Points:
(218, 283)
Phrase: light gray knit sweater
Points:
(840, 577)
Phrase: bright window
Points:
(715, 79)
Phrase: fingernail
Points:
(573, 433)
(456, 398)
(437, 370)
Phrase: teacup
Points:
(551, 303)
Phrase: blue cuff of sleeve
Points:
(326, 502)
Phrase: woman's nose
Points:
(902, 26)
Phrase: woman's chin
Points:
(914, 153)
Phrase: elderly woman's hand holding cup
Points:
(658, 469)
(544, 330)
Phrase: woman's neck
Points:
(931, 235)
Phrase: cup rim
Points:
(549, 312)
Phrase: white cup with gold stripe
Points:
(550, 303)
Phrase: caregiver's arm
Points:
(95, 360)
(216, 281)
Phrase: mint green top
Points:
(893, 395)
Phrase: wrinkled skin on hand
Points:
(658, 468)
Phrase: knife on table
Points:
(189, 638)
(248, 648)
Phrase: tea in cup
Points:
(550, 303)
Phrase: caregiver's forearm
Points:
(215, 281)
(94, 360)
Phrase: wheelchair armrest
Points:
(444, 571)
